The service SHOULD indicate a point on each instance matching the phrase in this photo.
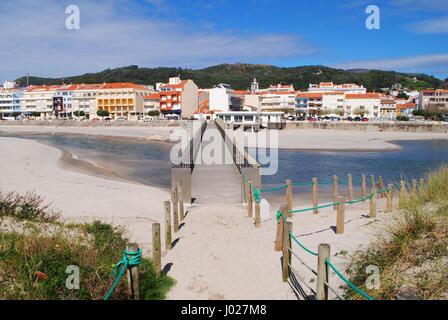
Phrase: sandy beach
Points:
(299, 139)
(32, 166)
(340, 140)
(218, 253)
(144, 133)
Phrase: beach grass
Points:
(413, 258)
(33, 264)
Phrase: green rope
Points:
(130, 259)
(274, 189)
(315, 208)
(279, 216)
(351, 285)
(302, 246)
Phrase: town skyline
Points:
(190, 34)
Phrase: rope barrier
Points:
(297, 274)
(306, 265)
(351, 285)
(302, 246)
(333, 290)
(130, 259)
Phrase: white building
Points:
(367, 105)
(39, 100)
(349, 88)
(10, 102)
(278, 101)
(222, 98)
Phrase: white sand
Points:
(31, 166)
(219, 254)
(323, 139)
(150, 133)
(306, 139)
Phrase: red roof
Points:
(175, 86)
(406, 106)
(363, 96)
(154, 96)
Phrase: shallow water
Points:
(148, 161)
(142, 161)
(413, 161)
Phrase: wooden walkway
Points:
(219, 254)
(216, 183)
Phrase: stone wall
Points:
(68, 123)
(362, 126)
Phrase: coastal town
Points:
(183, 99)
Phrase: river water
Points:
(148, 162)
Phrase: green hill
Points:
(239, 76)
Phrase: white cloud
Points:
(34, 40)
(437, 63)
(436, 26)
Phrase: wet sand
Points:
(30, 166)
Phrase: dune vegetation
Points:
(413, 258)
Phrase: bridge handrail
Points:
(240, 156)
(190, 152)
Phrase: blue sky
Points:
(194, 34)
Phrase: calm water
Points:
(142, 161)
(148, 162)
(412, 161)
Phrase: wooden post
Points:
(175, 208)
(286, 251)
(322, 271)
(350, 187)
(390, 198)
(280, 229)
(402, 193)
(132, 275)
(156, 248)
(363, 186)
(251, 201)
(289, 198)
(335, 190)
(372, 183)
(315, 195)
(422, 183)
(180, 199)
(340, 218)
(381, 186)
(257, 215)
(373, 209)
(168, 238)
(414, 186)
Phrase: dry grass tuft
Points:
(414, 260)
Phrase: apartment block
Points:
(349, 88)
(222, 98)
(179, 97)
(434, 100)
(151, 103)
(10, 102)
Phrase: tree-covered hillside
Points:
(239, 76)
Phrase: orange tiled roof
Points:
(175, 86)
(153, 96)
(363, 96)
(241, 92)
(406, 106)
(310, 95)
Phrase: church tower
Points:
(254, 86)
